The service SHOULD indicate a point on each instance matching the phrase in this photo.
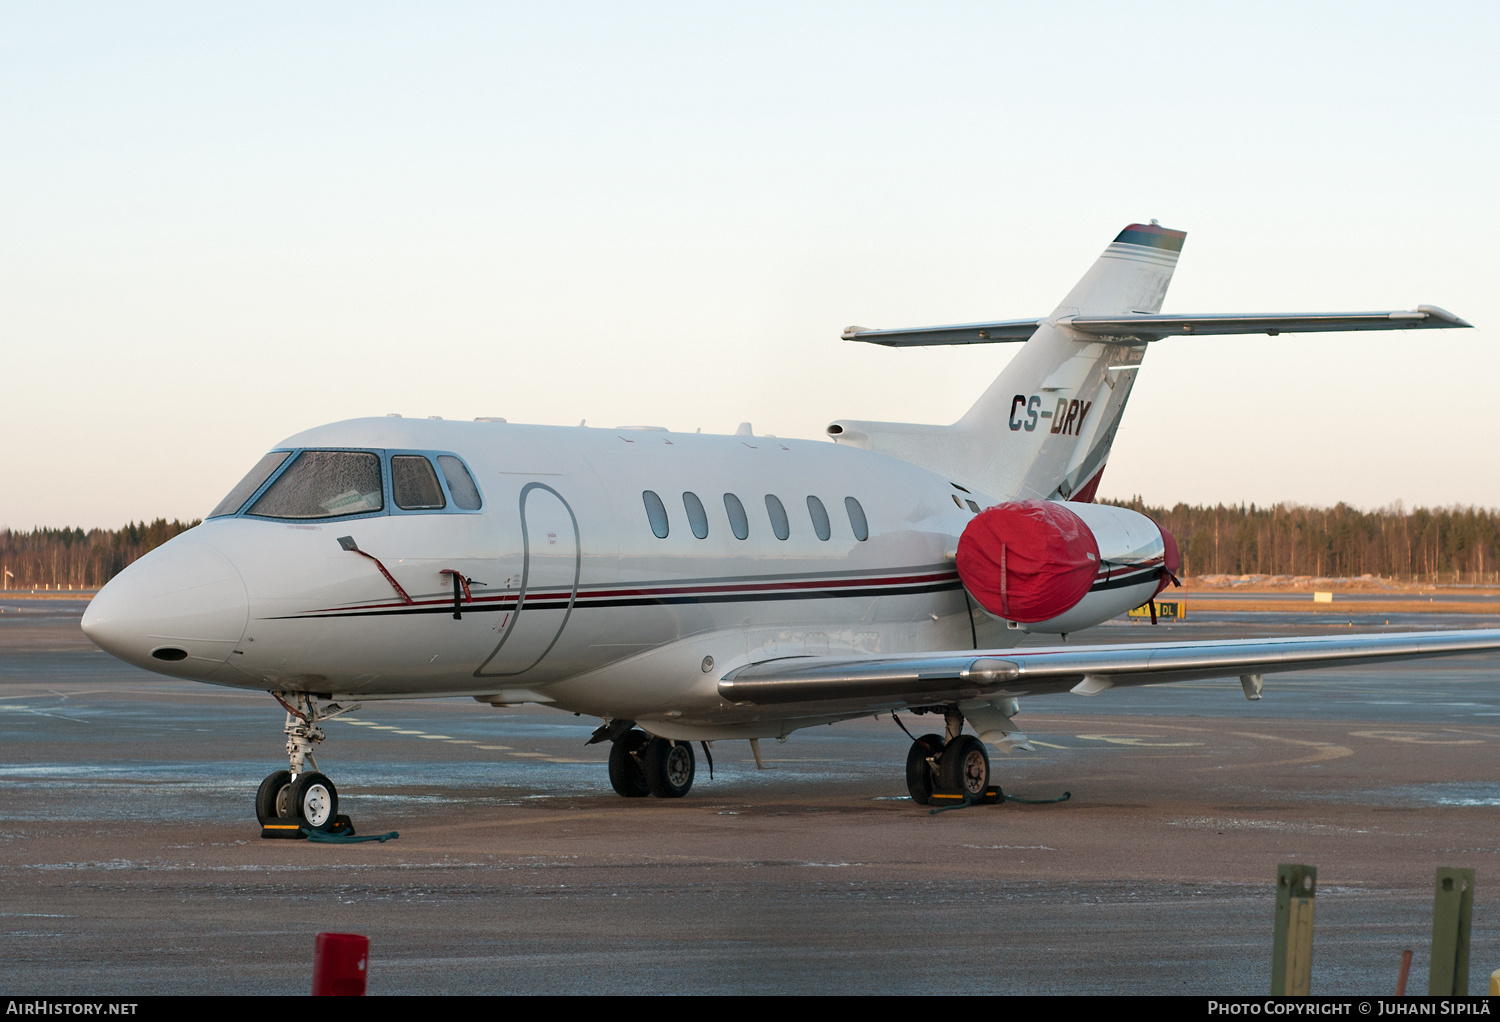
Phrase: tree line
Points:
(72, 558)
(1452, 544)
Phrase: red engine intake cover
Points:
(1171, 559)
(1027, 560)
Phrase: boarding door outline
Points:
(548, 572)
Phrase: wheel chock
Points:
(991, 796)
(943, 801)
(342, 826)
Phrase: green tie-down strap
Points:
(347, 839)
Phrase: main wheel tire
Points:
(271, 800)
(626, 775)
(314, 801)
(965, 766)
(669, 767)
(919, 772)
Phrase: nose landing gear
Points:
(289, 800)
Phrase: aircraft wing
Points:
(1145, 327)
(881, 683)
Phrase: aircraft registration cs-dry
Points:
(694, 588)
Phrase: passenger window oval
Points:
(739, 522)
(777, 513)
(819, 515)
(857, 520)
(656, 513)
(697, 517)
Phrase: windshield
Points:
(248, 485)
(324, 484)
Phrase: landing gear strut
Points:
(300, 797)
(953, 763)
(640, 765)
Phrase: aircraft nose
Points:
(180, 609)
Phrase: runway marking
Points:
(1415, 737)
(410, 732)
(495, 748)
(531, 755)
(443, 738)
(1050, 745)
(768, 759)
(1127, 740)
(1326, 751)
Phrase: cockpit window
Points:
(414, 485)
(248, 485)
(460, 483)
(324, 484)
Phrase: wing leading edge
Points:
(880, 683)
(1142, 327)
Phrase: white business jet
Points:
(692, 588)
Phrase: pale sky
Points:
(227, 223)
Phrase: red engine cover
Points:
(1027, 560)
(1171, 559)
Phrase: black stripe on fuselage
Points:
(560, 602)
(1126, 581)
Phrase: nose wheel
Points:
(271, 802)
(290, 800)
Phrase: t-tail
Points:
(1045, 427)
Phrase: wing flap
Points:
(889, 682)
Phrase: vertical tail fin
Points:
(1045, 427)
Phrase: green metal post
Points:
(1452, 912)
(1291, 949)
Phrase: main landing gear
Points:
(953, 762)
(297, 798)
(640, 765)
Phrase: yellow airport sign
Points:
(1166, 610)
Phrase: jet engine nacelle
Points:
(1059, 567)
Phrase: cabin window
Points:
(248, 485)
(656, 513)
(857, 520)
(324, 484)
(739, 522)
(819, 515)
(779, 523)
(956, 502)
(460, 483)
(414, 485)
(697, 517)
(972, 506)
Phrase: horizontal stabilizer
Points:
(1141, 327)
(882, 683)
(962, 333)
